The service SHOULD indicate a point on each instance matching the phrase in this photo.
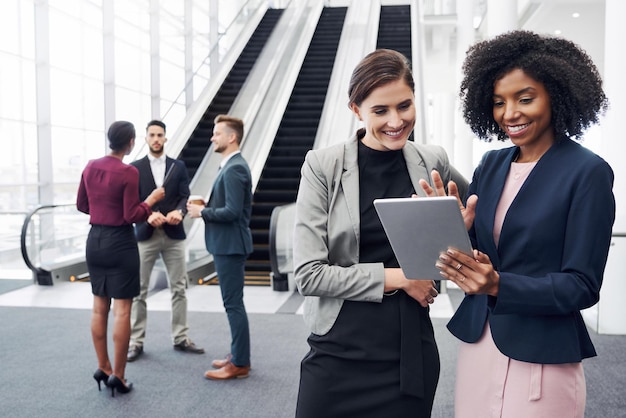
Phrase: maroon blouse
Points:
(109, 193)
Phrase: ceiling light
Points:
(575, 15)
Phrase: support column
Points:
(607, 317)
(214, 25)
(155, 60)
(419, 54)
(464, 141)
(108, 59)
(188, 28)
(615, 87)
(44, 128)
(501, 16)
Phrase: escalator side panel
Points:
(296, 135)
(200, 140)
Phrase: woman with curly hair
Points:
(541, 231)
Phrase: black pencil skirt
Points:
(378, 360)
(113, 261)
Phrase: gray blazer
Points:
(326, 237)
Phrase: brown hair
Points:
(233, 123)
(378, 68)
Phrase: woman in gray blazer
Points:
(372, 346)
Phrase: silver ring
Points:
(462, 279)
(458, 266)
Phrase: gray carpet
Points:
(46, 363)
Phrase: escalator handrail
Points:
(289, 56)
(29, 216)
(264, 117)
(208, 56)
(142, 149)
(272, 243)
(337, 122)
(274, 219)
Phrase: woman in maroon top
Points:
(109, 193)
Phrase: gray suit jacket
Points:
(326, 237)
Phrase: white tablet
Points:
(419, 229)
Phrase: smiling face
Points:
(223, 138)
(388, 114)
(521, 106)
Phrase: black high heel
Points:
(101, 376)
(115, 382)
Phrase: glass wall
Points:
(68, 68)
(18, 170)
(54, 77)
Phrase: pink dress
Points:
(492, 385)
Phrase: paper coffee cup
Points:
(196, 199)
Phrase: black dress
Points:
(379, 359)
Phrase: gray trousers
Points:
(173, 253)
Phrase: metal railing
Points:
(53, 243)
(281, 246)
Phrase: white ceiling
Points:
(587, 29)
(553, 17)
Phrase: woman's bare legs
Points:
(121, 334)
(99, 321)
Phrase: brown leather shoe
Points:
(229, 371)
(218, 364)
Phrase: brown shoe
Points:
(229, 371)
(218, 364)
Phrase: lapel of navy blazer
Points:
(551, 254)
(176, 195)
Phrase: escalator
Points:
(53, 237)
(394, 29)
(394, 32)
(280, 177)
(200, 140)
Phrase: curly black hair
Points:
(568, 74)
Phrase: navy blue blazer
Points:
(176, 195)
(227, 215)
(551, 255)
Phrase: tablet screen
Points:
(419, 229)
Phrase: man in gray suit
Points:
(229, 240)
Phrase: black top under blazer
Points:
(551, 255)
(176, 196)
